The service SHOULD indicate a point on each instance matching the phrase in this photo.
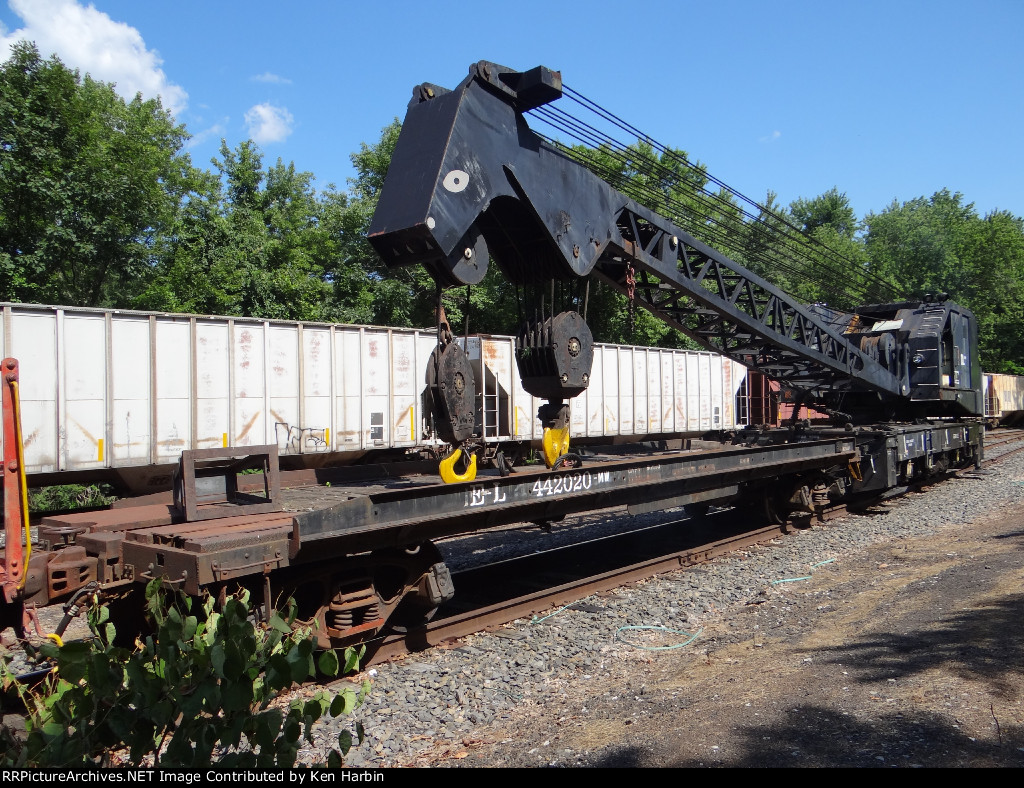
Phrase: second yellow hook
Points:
(555, 443)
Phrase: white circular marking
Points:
(456, 181)
(431, 223)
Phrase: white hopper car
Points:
(119, 394)
(1004, 399)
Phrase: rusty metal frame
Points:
(206, 483)
(12, 572)
(389, 518)
(193, 571)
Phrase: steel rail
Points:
(543, 600)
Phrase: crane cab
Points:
(936, 341)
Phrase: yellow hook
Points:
(447, 468)
(555, 443)
(56, 639)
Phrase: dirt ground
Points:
(909, 655)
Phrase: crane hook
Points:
(447, 468)
(555, 443)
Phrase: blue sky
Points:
(886, 100)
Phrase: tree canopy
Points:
(89, 183)
(941, 244)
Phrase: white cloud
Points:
(771, 137)
(92, 42)
(267, 123)
(275, 79)
(214, 131)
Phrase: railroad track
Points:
(712, 536)
(477, 612)
(1003, 441)
(494, 594)
(497, 593)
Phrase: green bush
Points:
(68, 497)
(204, 689)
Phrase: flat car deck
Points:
(322, 522)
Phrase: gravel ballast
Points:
(457, 705)
(677, 669)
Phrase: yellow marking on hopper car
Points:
(402, 417)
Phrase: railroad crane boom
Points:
(470, 180)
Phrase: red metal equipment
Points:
(15, 497)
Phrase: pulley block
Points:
(452, 390)
(466, 264)
(555, 356)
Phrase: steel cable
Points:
(655, 169)
(708, 215)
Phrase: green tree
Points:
(266, 262)
(831, 209)
(340, 245)
(88, 183)
(187, 277)
(760, 246)
(919, 244)
(941, 245)
(249, 241)
(995, 291)
(725, 228)
(400, 297)
(834, 262)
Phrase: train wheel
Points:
(774, 509)
(358, 598)
(699, 509)
(765, 506)
(423, 599)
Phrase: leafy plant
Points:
(67, 497)
(205, 688)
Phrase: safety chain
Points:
(631, 295)
(444, 330)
